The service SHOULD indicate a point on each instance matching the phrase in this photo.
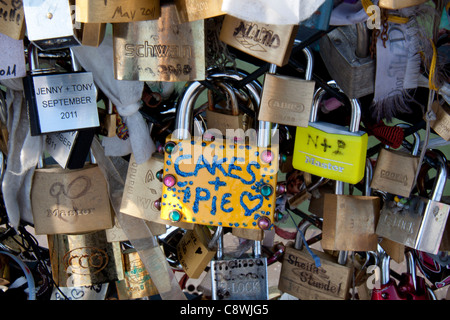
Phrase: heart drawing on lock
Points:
(199, 250)
(251, 198)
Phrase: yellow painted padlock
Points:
(329, 150)
(219, 182)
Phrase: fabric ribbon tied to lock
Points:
(125, 95)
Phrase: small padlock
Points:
(194, 251)
(108, 121)
(84, 259)
(65, 201)
(349, 221)
(288, 100)
(442, 123)
(116, 11)
(202, 175)
(159, 50)
(220, 119)
(59, 102)
(239, 278)
(329, 150)
(301, 277)
(13, 63)
(142, 196)
(192, 10)
(51, 24)
(395, 170)
(345, 53)
(13, 22)
(417, 222)
(268, 42)
(399, 4)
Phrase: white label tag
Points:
(12, 63)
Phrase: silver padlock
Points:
(417, 222)
(239, 279)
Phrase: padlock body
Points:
(61, 102)
(442, 123)
(330, 151)
(418, 224)
(239, 279)
(222, 121)
(220, 183)
(399, 4)
(354, 75)
(192, 10)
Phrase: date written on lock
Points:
(62, 102)
(220, 183)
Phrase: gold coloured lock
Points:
(13, 22)
(192, 10)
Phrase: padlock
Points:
(51, 24)
(329, 150)
(143, 191)
(345, 53)
(70, 149)
(59, 102)
(84, 259)
(417, 222)
(288, 100)
(194, 250)
(395, 171)
(399, 4)
(159, 50)
(137, 283)
(12, 64)
(192, 10)
(116, 11)
(92, 34)
(202, 175)
(108, 121)
(349, 221)
(270, 43)
(301, 277)
(409, 287)
(242, 278)
(13, 22)
(221, 119)
(442, 123)
(65, 201)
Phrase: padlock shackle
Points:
(298, 238)
(354, 103)
(309, 60)
(33, 60)
(368, 178)
(362, 43)
(441, 176)
(231, 97)
(411, 267)
(385, 264)
(186, 105)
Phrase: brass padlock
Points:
(395, 170)
(92, 34)
(270, 43)
(116, 11)
(442, 123)
(399, 4)
(13, 22)
(192, 10)
(159, 50)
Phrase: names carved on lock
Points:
(393, 176)
(240, 278)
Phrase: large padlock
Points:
(399, 4)
(301, 277)
(417, 222)
(65, 201)
(242, 278)
(51, 24)
(143, 191)
(160, 50)
(329, 150)
(345, 52)
(349, 221)
(220, 182)
(192, 10)
(268, 42)
(59, 101)
(409, 287)
(116, 11)
(84, 259)
(12, 64)
(194, 250)
(288, 100)
(395, 171)
(221, 119)
(13, 22)
(70, 148)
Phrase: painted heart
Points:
(251, 198)
(77, 294)
(199, 250)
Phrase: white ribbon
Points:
(281, 12)
(125, 95)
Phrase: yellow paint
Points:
(212, 189)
